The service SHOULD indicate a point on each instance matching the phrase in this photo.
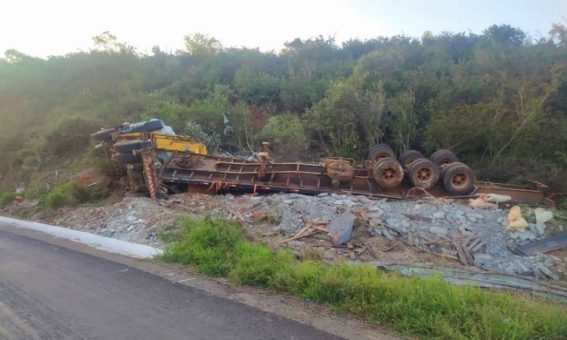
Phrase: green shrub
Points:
(209, 244)
(72, 193)
(6, 197)
(67, 137)
(287, 134)
(257, 265)
(422, 306)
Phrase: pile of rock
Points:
(451, 230)
(425, 220)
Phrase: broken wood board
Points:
(546, 245)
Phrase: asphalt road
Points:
(51, 292)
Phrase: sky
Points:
(55, 27)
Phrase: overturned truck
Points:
(160, 168)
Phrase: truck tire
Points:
(443, 156)
(388, 172)
(458, 178)
(103, 134)
(423, 173)
(131, 145)
(409, 156)
(380, 151)
(149, 126)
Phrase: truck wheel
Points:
(379, 151)
(443, 156)
(149, 126)
(131, 145)
(409, 156)
(388, 173)
(103, 134)
(458, 179)
(340, 170)
(423, 173)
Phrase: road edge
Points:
(107, 244)
(283, 305)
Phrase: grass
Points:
(427, 307)
(6, 197)
(72, 193)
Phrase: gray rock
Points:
(474, 216)
(538, 229)
(482, 257)
(458, 212)
(526, 235)
(546, 271)
(438, 231)
(375, 214)
(438, 215)
(340, 229)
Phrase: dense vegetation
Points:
(499, 99)
(428, 307)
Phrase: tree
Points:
(505, 35)
(288, 137)
(108, 42)
(404, 120)
(496, 99)
(558, 33)
(202, 44)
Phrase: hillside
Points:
(498, 99)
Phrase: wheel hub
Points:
(389, 174)
(424, 174)
(459, 179)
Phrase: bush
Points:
(6, 197)
(209, 244)
(287, 134)
(423, 306)
(67, 138)
(212, 140)
(72, 193)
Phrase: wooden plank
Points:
(546, 245)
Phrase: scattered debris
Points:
(542, 216)
(484, 201)
(425, 231)
(340, 229)
(484, 279)
(496, 198)
(515, 220)
(545, 245)
(310, 228)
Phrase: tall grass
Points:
(72, 193)
(427, 307)
(6, 197)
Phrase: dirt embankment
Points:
(425, 232)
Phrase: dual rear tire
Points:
(457, 178)
(422, 173)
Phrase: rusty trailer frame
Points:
(231, 174)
